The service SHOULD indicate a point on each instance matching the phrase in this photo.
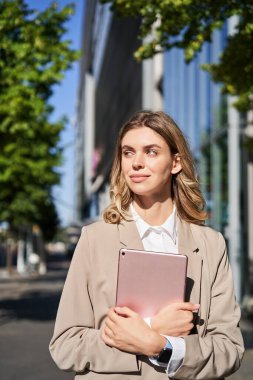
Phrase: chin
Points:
(138, 188)
(141, 193)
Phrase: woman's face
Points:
(147, 163)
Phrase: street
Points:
(28, 307)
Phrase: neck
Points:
(153, 212)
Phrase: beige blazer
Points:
(214, 350)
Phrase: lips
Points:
(139, 177)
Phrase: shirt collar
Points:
(169, 226)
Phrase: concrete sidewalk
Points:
(246, 370)
(28, 305)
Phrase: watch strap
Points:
(165, 354)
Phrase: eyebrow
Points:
(145, 147)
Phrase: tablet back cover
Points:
(148, 281)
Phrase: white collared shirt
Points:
(162, 239)
(157, 238)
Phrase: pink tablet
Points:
(148, 281)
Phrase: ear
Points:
(176, 164)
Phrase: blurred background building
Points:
(113, 86)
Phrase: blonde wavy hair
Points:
(186, 193)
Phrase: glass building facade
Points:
(200, 109)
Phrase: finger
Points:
(195, 307)
(108, 332)
(185, 333)
(187, 306)
(103, 334)
(125, 311)
(188, 329)
(188, 315)
(109, 323)
(107, 340)
(112, 315)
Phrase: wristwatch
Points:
(165, 355)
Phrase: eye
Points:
(127, 153)
(151, 152)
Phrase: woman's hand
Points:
(175, 319)
(126, 330)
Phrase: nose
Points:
(138, 162)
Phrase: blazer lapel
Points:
(129, 236)
(188, 246)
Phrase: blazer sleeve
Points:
(76, 345)
(219, 352)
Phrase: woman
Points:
(155, 205)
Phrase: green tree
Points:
(33, 58)
(187, 24)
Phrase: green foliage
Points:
(33, 58)
(187, 24)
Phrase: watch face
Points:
(165, 355)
